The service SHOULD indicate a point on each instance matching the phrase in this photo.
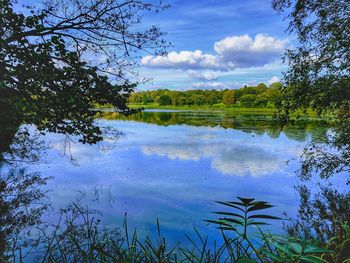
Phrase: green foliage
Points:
(324, 218)
(80, 236)
(20, 207)
(261, 88)
(258, 96)
(44, 77)
(243, 215)
(295, 250)
(248, 100)
(318, 77)
(228, 97)
(258, 122)
(164, 100)
(318, 68)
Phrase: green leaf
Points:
(237, 203)
(259, 203)
(272, 256)
(313, 259)
(315, 249)
(227, 228)
(259, 207)
(232, 220)
(264, 216)
(229, 214)
(296, 247)
(245, 260)
(282, 248)
(230, 205)
(218, 222)
(257, 223)
(246, 201)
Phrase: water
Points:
(173, 165)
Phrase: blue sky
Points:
(217, 44)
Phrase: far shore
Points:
(310, 115)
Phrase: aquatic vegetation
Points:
(80, 236)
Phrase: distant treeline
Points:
(300, 130)
(252, 96)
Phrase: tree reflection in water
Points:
(21, 207)
(22, 198)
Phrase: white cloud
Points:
(231, 52)
(228, 159)
(244, 51)
(201, 75)
(274, 79)
(185, 60)
(210, 85)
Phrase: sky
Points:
(217, 44)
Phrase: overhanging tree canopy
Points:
(60, 58)
(318, 76)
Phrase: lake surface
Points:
(173, 165)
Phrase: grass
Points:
(214, 107)
(310, 115)
(80, 237)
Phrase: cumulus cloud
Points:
(231, 52)
(228, 159)
(274, 79)
(185, 60)
(244, 51)
(201, 75)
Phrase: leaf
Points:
(229, 214)
(246, 201)
(227, 228)
(218, 222)
(259, 207)
(264, 216)
(313, 259)
(282, 248)
(237, 203)
(246, 260)
(232, 220)
(315, 249)
(257, 223)
(272, 256)
(296, 247)
(259, 203)
(230, 205)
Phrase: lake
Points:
(173, 165)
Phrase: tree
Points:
(248, 100)
(318, 72)
(274, 93)
(146, 98)
(20, 201)
(261, 88)
(261, 100)
(181, 101)
(135, 98)
(318, 76)
(228, 97)
(57, 62)
(198, 99)
(164, 100)
(212, 99)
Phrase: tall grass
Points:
(79, 236)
